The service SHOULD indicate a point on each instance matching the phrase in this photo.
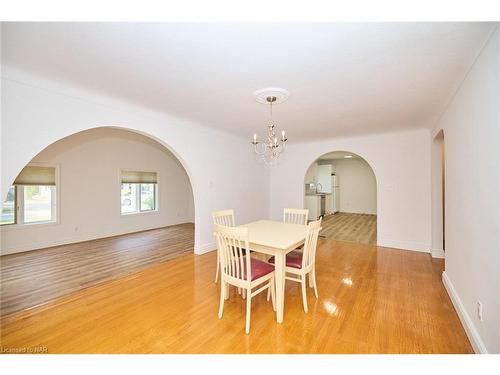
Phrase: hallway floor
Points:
(359, 228)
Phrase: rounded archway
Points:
(86, 170)
(106, 202)
(341, 187)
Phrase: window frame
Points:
(16, 208)
(138, 210)
(155, 185)
(19, 203)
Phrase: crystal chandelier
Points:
(272, 147)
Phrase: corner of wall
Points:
(204, 248)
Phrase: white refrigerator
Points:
(335, 193)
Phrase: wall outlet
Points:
(480, 311)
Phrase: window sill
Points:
(140, 213)
(14, 227)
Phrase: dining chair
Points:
(226, 218)
(300, 264)
(240, 270)
(295, 215)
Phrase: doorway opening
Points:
(341, 187)
(92, 207)
(438, 196)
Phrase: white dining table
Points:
(276, 238)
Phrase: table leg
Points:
(280, 285)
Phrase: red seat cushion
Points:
(293, 259)
(258, 268)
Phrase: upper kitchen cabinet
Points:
(324, 178)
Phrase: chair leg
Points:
(311, 282)
(304, 296)
(249, 307)
(314, 282)
(218, 265)
(243, 293)
(269, 290)
(273, 295)
(222, 298)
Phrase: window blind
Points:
(31, 175)
(132, 177)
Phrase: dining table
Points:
(276, 238)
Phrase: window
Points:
(32, 198)
(9, 208)
(138, 192)
(37, 203)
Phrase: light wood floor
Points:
(35, 277)
(396, 303)
(359, 228)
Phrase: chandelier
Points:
(270, 149)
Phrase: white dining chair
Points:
(299, 264)
(240, 270)
(295, 215)
(225, 218)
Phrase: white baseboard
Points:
(437, 253)
(77, 238)
(465, 319)
(205, 248)
(404, 245)
(357, 212)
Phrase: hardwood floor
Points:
(371, 300)
(359, 228)
(35, 277)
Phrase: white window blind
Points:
(132, 177)
(31, 175)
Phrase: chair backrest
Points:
(311, 242)
(224, 217)
(295, 215)
(231, 244)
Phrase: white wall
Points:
(357, 186)
(401, 163)
(89, 165)
(311, 174)
(471, 127)
(36, 113)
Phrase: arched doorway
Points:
(341, 187)
(105, 195)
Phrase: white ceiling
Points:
(344, 78)
(339, 155)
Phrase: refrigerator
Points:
(335, 193)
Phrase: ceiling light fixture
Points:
(347, 156)
(271, 148)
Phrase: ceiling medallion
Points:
(271, 147)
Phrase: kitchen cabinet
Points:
(324, 176)
(313, 204)
(329, 204)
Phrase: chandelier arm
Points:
(271, 148)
